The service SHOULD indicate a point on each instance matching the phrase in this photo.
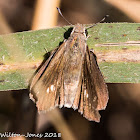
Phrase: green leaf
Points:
(116, 45)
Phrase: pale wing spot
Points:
(94, 99)
(52, 88)
(37, 92)
(85, 92)
(48, 90)
(89, 105)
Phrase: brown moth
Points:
(71, 78)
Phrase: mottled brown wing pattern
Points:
(40, 71)
(100, 85)
(71, 78)
(47, 90)
(91, 99)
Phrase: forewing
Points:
(91, 90)
(47, 85)
(40, 71)
(98, 80)
(89, 94)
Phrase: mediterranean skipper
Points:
(71, 78)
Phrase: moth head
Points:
(80, 29)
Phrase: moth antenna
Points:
(98, 22)
(63, 16)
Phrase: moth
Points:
(71, 78)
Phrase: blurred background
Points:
(120, 120)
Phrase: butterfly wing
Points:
(47, 85)
(100, 85)
(94, 95)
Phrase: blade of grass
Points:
(116, 45)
